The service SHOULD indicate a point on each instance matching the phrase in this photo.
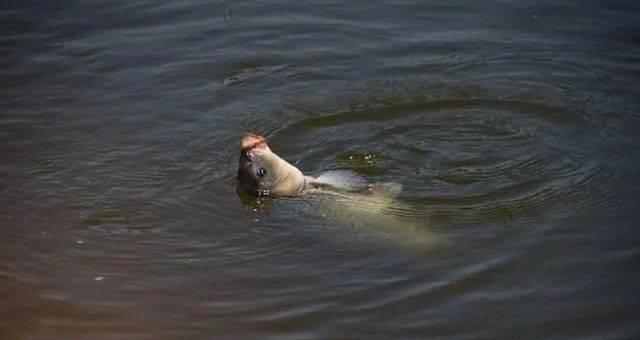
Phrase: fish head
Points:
(260, 171)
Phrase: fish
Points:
(261, 172)
(340, 195)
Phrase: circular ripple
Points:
(465, 162)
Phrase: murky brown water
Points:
(512, 127)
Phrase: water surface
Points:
(512, 128)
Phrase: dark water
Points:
(513, 127)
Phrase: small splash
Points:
(361, 158)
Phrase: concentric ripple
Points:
(467, 162)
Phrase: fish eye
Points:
(262, 172)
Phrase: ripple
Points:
(467, 162)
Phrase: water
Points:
(512, 127)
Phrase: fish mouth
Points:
(252, 140)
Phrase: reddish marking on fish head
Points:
(252, 140)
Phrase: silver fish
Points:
(351, 198)
(263, 173)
